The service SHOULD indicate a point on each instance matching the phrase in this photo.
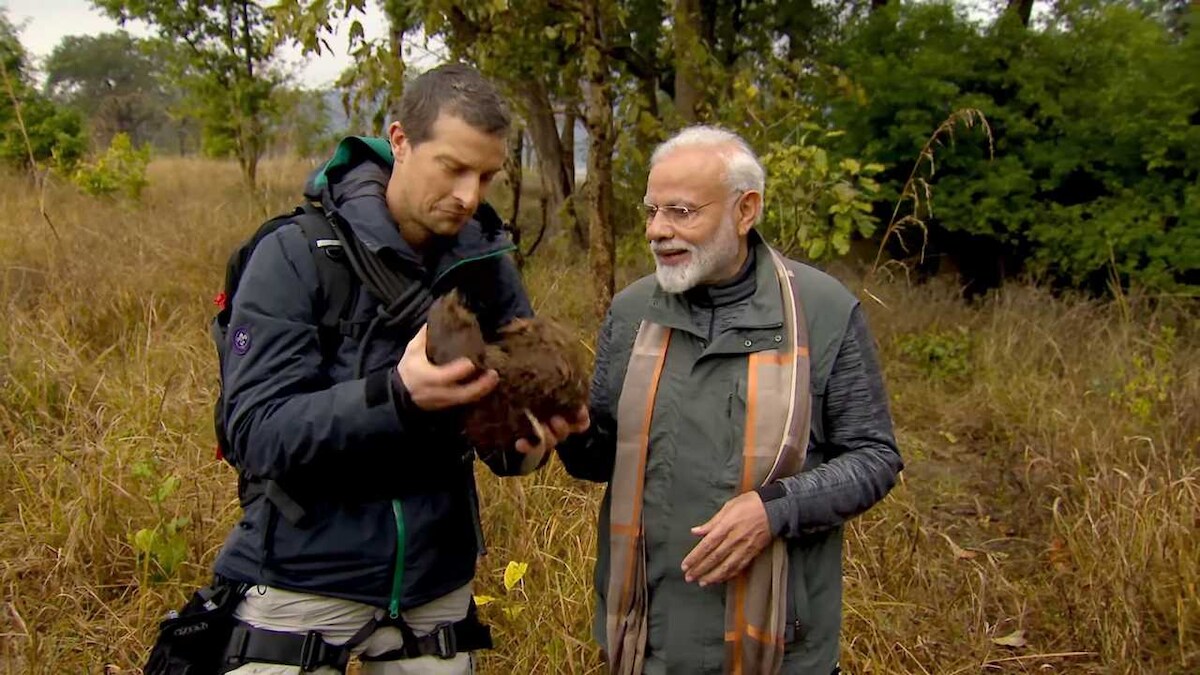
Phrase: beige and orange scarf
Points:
(778, 406)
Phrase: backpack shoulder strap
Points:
(334, 275)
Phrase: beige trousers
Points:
(338, 620)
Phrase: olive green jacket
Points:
(694, 460)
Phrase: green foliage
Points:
(221, 55)
(1094, 115)
(120, 170)
(939, 354)
(32, 127)
(1149, 377)
(813, 205)
(111, 80)
(161, 548)
(817, 198)
(1094, 170)
(55, 134)
(515, 599)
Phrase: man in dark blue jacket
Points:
(379, 552)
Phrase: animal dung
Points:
(541, 368)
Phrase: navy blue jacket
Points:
(379, 479)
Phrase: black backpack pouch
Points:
(193, 641)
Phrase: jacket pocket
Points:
(735, 429)
(799, 611)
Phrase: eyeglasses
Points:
(673, 213)
(677, 215)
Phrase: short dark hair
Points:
(456, 89)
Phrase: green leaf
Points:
(513, 573)
(170, 554)
(850, 165)
(513, 611)
(481, 600)
(143, 540)
(844, 193)
(142, 470)
(866, 226)
(821, 162)
(166, 488)
(1014, 639)
(816, 248)
(841, 242)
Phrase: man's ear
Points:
(398, 141)
(749, 206)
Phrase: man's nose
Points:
(468, 191)
(657, 227)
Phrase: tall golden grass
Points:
(1046, 521)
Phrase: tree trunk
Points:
(878, 4)
(689, 54)
(568, 138)
(1023, 10)
(514, 175)
(251, 169)
(601, 243)
(800, 25)
(570, 115)
(552, 161)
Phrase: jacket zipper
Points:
(398, 573)
(464, 261)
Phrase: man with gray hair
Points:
(739, 419)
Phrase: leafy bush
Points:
(120, 170)
(941, 355)
(32, 127)
(1097, 152)
(815, 205)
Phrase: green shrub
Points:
(940, 355)
(120, 170)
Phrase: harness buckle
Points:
(446, 642)
(312, 652)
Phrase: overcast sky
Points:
(43, 23)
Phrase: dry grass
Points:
(1052, 480)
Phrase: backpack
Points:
(337, 283)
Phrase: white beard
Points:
(706, 260)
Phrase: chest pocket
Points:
(734, 424)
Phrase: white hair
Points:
(743, 171)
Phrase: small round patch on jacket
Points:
(241, 340)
